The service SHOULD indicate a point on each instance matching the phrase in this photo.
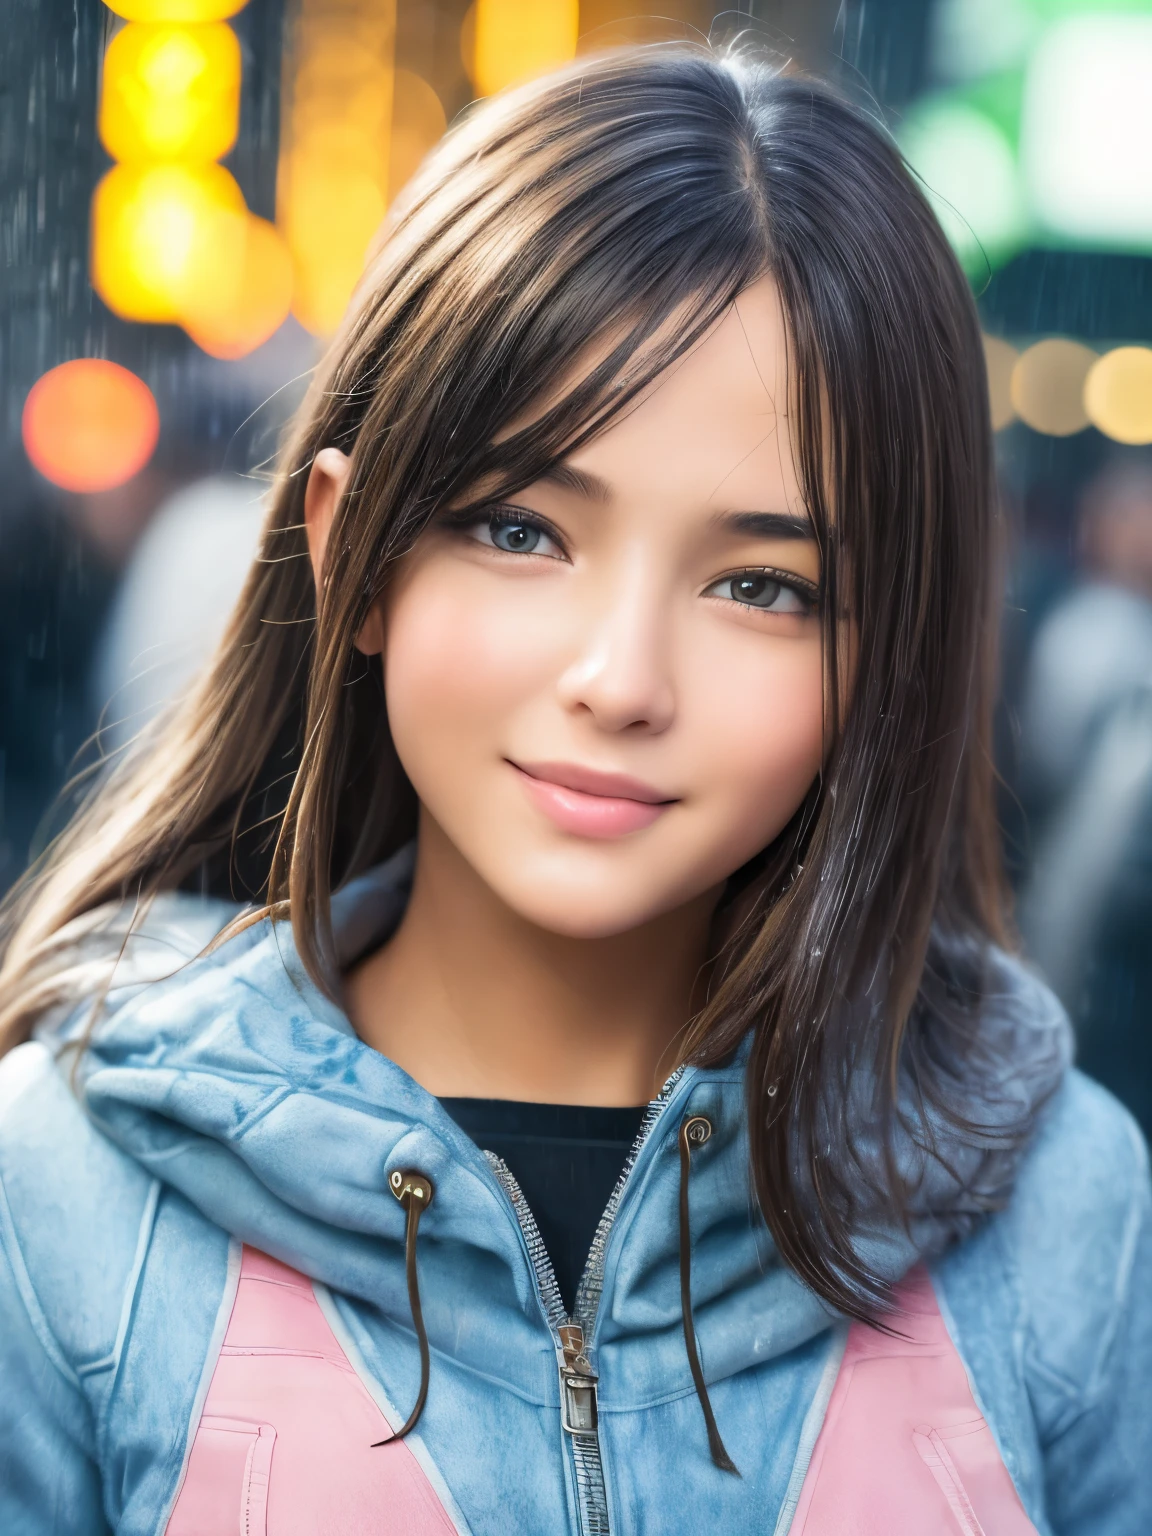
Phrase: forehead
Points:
(713, 427)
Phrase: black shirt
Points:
(566, 1159)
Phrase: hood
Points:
(236, 1082)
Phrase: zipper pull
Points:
(577, 1383)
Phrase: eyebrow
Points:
(760, 525)
(582, 481)
(768, 525)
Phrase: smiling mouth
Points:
(587, 803)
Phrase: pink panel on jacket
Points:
(284, 1446)
(904, 1450)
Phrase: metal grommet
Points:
(698, 1130)
(407, 1185)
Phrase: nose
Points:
(622, 675)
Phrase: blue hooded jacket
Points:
(231, 1102)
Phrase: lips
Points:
(587, 803)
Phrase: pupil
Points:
(759, 590)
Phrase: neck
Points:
(474, 1000)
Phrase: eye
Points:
(767, 592)
(516, 533)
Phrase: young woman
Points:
(529, 1046)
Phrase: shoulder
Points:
(1075, 1237)
(73, 1209)
(1088, 1162)
(1050, 1303)
(121, 950)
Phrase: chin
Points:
(553, 912)
(574, 902)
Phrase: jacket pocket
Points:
(934, 1454)
(225, 1488)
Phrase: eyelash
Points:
(807, 593)
(469, 523)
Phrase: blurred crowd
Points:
(1082, 774)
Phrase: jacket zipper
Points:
(572, 1336)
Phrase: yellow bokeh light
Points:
(334, 64)
(1000, 357)
(171, 92)
(513, 40)
(332, 187)
(1047, 388)
(176, 10)
(418, 123)
(160, 234)
(1118, 394)
(341, 145)
(331, 211)
(231, 317)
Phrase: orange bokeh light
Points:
(89, 425)
(231, 317)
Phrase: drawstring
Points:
(694, 1132)
(414, 1192)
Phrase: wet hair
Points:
(563, 245)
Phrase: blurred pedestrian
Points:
(1086, 756)
(180, 585)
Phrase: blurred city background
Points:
(187, 191)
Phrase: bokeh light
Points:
(230, 317)
(89, 425)
(969, 172)
(1118, 394)
(1000, 357)
(171, 92)
(172, 238)
(504, 42)
(332, 212)
(1047, 389)
(159, 233)
(334, 168)
(1086, 128)
(176, 10)
(971, 38)
(418, 123)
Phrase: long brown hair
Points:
(632, 197)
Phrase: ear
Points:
(326, 481)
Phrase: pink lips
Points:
(588, 803)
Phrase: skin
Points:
(546, 954)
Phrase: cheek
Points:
(458, 661)
(763, 717)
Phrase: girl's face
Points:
(608, 692)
